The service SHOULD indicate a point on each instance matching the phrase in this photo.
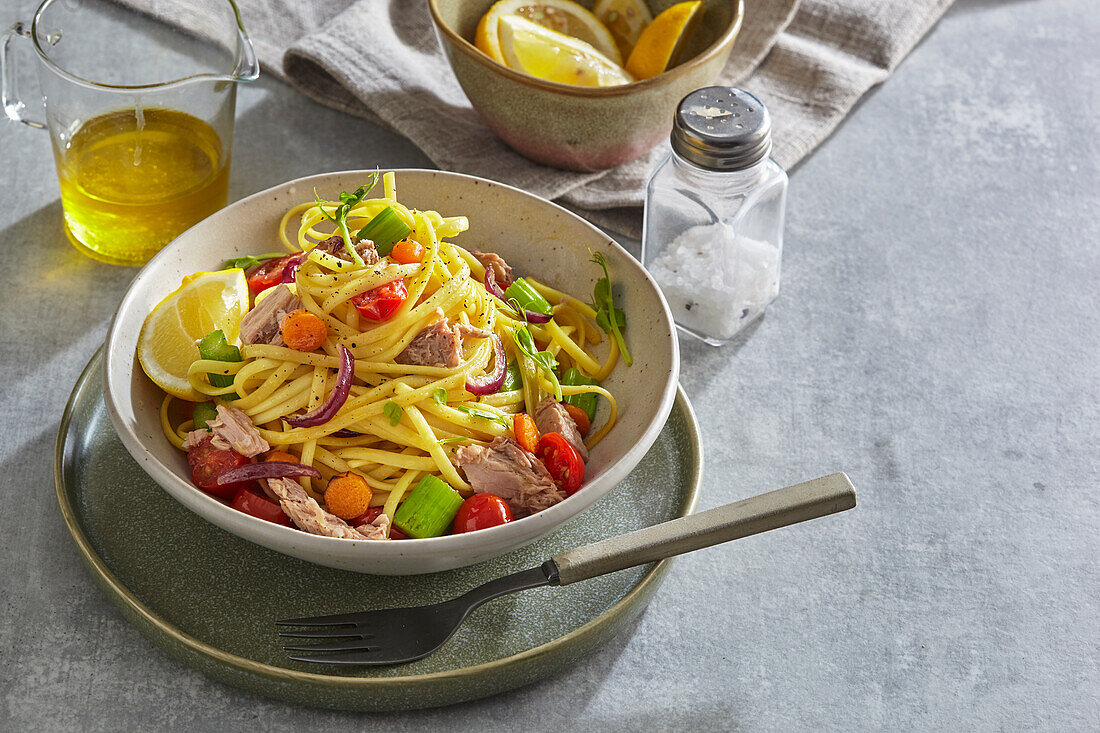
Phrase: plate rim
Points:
(112, 585)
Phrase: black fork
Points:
(396, 635)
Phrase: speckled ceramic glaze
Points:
(581, 128)
(534, 235)
(214, 612)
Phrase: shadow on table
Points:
(53, 295)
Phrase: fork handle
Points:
(808, 500)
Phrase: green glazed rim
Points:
(186, 645)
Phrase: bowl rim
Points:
(728, 36)
(549, 518)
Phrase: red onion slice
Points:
(335, 401)
(268, 469)
(290, 269)
(494, 289)
(490, 383)
(345, 433)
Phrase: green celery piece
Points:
(213, 346)
(385, 229)
(586, 402)
(204, 412)
(429, 510)
(527, 297)
(513, 379)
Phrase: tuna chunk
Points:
(551, 417)
(234, 429)
(379, 529)
(335, 246)
(501, 271)
(505, 469)
(308, 515)
(261, 324)
(438, 345)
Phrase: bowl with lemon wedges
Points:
(584, 86)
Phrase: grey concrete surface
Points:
(936, 337)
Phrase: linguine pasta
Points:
(400, 421)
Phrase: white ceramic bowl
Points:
(534, 235)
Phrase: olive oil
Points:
(131, 180)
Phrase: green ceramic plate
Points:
(209, 598)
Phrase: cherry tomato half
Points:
(269, 274)
(208, 462)
(481, 511)
(249, 502)
(562, 461)
(372, 514)
(381, 303)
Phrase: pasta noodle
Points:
(272, 382)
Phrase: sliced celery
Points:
(213, 346)
(429, 509)
(385, 230)
(204, 412)
(527, 297)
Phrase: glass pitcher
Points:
(139, 100)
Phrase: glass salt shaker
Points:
(713, 230)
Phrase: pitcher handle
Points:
(9, 95)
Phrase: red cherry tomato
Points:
(249, 502)
(381, 303)
(269, 274)
(481, 511)
(208, 462)
(372, 514)
(562, 461)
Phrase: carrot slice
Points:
(348, 495)
(407, 252)
(527, 435)
(303, 331)
(580, 417)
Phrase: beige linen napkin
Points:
(809, 62)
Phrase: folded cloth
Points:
(808, 61)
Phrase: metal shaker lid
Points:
(722, 129)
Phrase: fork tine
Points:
(360, 657)
(335, 646)
(342, 619)
(324, 633)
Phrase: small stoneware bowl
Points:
(573, 127)
(535, 236)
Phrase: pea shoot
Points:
(544, 360)
(339, 216)
(611, 319)
(249, 261)
(483, 414)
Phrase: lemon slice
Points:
(206, 301)
(536, 50)
(663, 40)
(626, 19)
(563, 16)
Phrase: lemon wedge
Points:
(563, 16)
(206, 301)
(536, 50)
(662, 42)
(625, 19)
